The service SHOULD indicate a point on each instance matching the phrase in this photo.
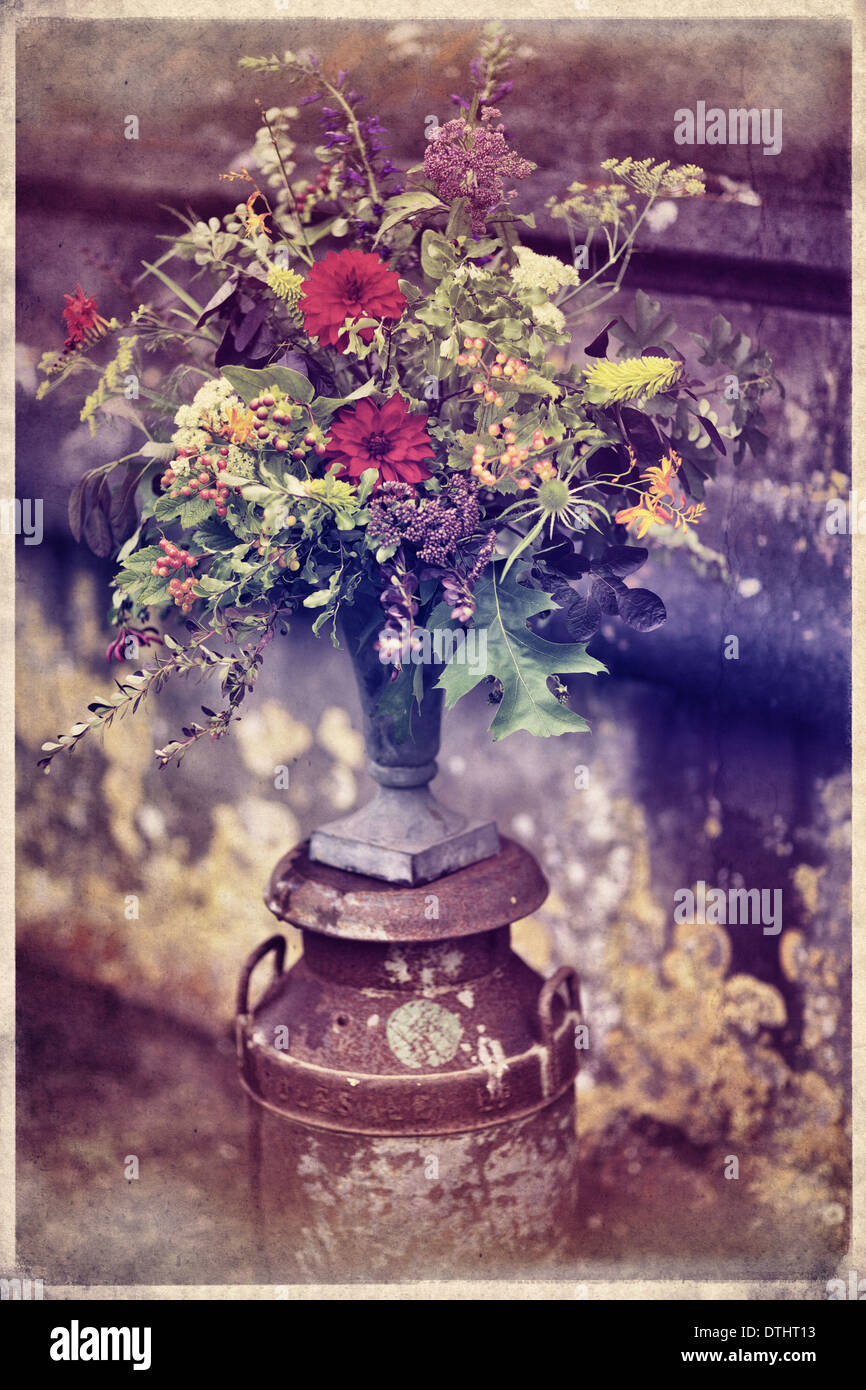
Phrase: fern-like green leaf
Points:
(636, 376)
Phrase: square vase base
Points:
(394, 853)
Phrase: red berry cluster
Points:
(513, 457)
(503, 368)
(274, 411)
(174, 559)
(205, 484)
(312, 193)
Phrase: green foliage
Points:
(624, 381)
(250, 383)
(520, 661)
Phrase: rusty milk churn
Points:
(411, 1079)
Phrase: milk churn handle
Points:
(565, 975)
(276, 944)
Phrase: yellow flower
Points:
(239, 425)
(645, 515)
(286, 284)
(661, 477)
(254, 222)
(657, 505)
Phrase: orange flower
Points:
(644, 515)
(661, 477)
(650, 511)
(255, 221)
(239, 425)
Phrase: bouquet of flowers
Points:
(372, 400)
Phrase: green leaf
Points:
(534, 384)
(437, 255)
(189, 512)
(397, 701)
(207, 585)
(520, 660)
(407, 205)
(522, 544)
(175, 288)
(143, 560)
(366, 483)
(721, 333)
(460, 221)
(323, 407)
(470, 329)
(411, 291)
(651, 325)
(254, 492)
(250, 382)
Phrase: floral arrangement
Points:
(373, 399)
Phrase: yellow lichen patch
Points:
(807, 881)
(211, 911)
(787, 1188)
(700, 957)
(640, 907)
(531, 940)
(51, 687)
(108, 886)
(336, 735)
(89, 632)
(793, 954)
(268, 737)
(129, 753)
(751, 1004)
(816, 969)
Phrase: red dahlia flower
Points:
(349, 284)
(388, 439)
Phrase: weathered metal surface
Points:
(404, 835)
(500, 889)
(370, 1061)
(411, 1079)
(493, 1203)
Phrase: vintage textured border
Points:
(16, 14)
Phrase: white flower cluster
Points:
(545, 273)
(188, 439)
(211, 402)
(206, 413)
(467, 271)
(548, 316)
(240, 462)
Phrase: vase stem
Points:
(404, 834)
